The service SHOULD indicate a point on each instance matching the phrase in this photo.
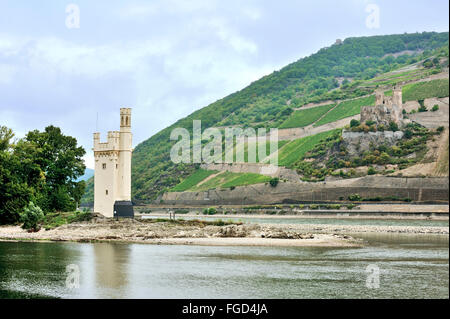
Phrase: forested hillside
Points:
(347, 70)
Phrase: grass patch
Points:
(54, 220)
(306, 117)
(425, 90)
(198, 176)
(346, 109)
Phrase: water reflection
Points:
(111, 265)
(411, 267)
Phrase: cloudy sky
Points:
(166, 58)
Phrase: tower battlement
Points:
(112, 189)
(389, 101)
(112, 143)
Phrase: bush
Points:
(274, 181)
(393, 126)
(408, 133)
(440, 129)
(313, 206)
(422, 109)
(354, 197)
(371, 171)
(31, 217)
(354, 123)
(435, 108)
(210, 211)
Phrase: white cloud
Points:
(6, 73)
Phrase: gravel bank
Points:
(186, 233)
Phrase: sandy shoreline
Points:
(194, 233)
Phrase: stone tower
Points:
(387, 109)
(112, 180)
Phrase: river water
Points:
(409, 266)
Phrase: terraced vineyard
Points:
(346, 109)
(222, 180)
(296, 149)
(193, 180)
(424, 90)
(306, 117)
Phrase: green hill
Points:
(342, 71)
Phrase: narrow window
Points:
(106, 192)
(117, 166)
(104, 166)
(126, 120)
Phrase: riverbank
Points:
(194, 232)
(179, 233)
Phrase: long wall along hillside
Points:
(312, 101)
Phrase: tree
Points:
(60, 159)
(6, 134)
(14, 192)
(31, 217)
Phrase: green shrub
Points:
(313, 206)
(422, 108)
(274, 181)
(408, 133)
(371, 171)
(210, 211)
(393, 126)
(31, 217)
(351, 206)
(354, 123)
(435, 108)
(440, 129)
(354, 197)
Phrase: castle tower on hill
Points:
(112, 179)
(387, 108)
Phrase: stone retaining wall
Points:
(417, 189)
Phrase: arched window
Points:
(121, 121)
(127, 121)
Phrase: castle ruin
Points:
(387, 109)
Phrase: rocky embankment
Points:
(179, 232)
